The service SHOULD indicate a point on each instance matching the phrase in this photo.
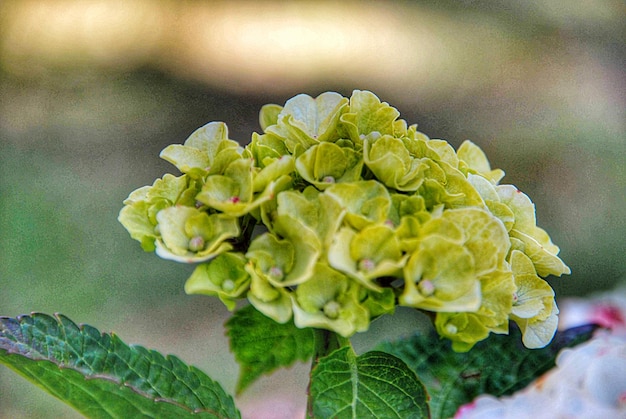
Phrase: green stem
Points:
(326, 343)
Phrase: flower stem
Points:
(326, 343)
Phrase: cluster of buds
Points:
(339, 212)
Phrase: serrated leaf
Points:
(262, 345)
(102, 377)
(373, 385)
(498, 366)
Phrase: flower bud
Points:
(426, 287)
(196, 243)
(331, 309)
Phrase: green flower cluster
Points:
(339, 212)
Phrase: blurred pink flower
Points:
(589, 380)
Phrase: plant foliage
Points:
(102, 377)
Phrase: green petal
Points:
(175, 190)
(534, 308)
(326, 163)
(485, 189)
(378, 303)
(234, 192)
(134, 217)
(520, 204)
(224, 277)
(180, 226)
(497, 289)
(408, 214)
(445, 152)
(141, 207)
(408, 233)
(484, 236)
(367, 114)
(444, 228)
(330, 301)
(463, 329)
(371, 253)
(392, 164)
(268, 251)
(266, 148)
(503, 212)
(476, 160)
(484, 275)
(235, 185)
(269, 115)
(207, 150)
(365, 202)
(546, 263)
(538, 333)
(446, 185)
(458, 191)
(439, 276)
(533, 295)
(282, 262)
(309, 210)
(188, 160)
(305, 121)
(536, 242)
(278, 168)
(273, 302)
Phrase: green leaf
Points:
(261, 345)
(373, 385)
(102, 377)
(498, 366)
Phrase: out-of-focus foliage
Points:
(497, 366)
(87, 87)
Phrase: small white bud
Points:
(332, 309)
(196, 244)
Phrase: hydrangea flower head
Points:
(339, 211)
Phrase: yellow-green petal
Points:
(330, 300)
(224, 277)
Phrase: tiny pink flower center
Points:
(426, 287)
(366, 265)
(275, 273)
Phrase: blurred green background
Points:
(91, 91)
